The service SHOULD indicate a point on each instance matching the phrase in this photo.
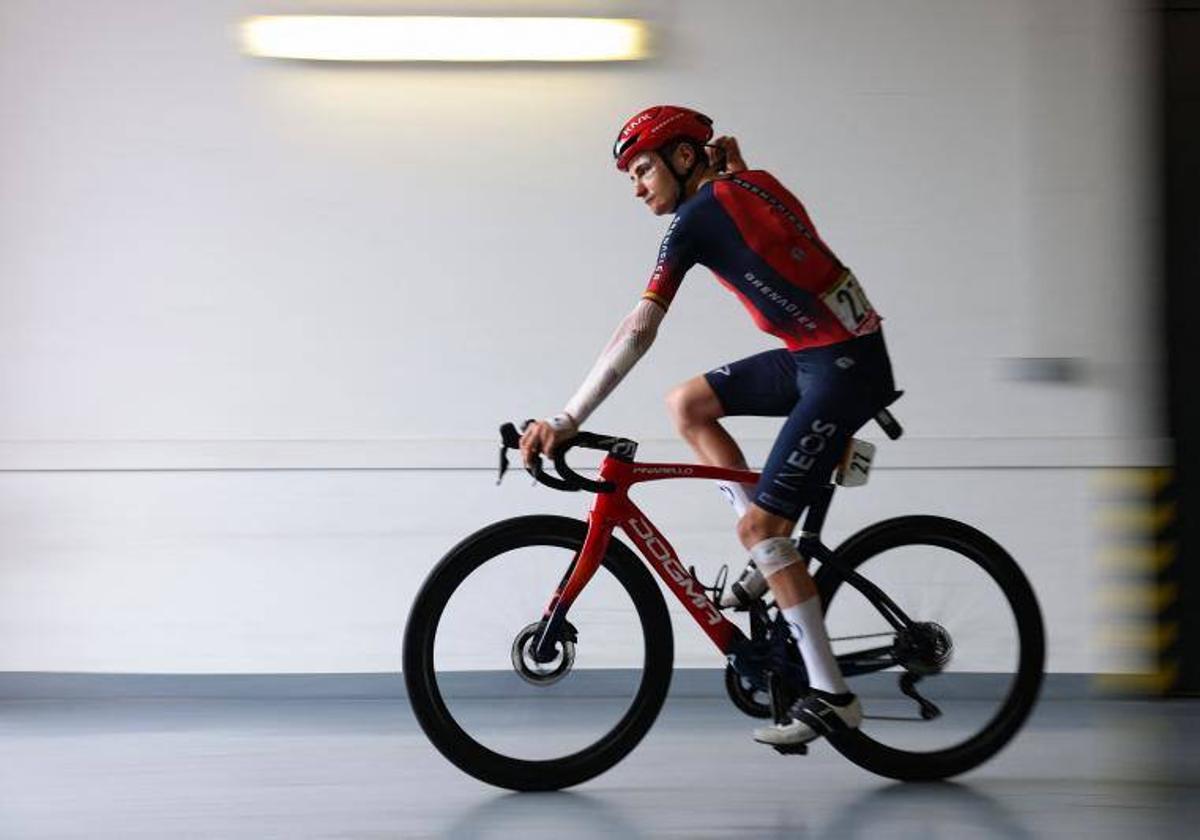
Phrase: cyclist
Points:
(829, 378)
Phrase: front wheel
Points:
(948, 692)
(484, 699)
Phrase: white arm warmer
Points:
(628, 344)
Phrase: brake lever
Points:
(510, 438)
(503, 464)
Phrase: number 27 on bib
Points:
(849, 303)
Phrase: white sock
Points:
(808, 628)
(738, 495)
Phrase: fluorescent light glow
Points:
(419, 38)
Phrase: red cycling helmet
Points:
(655, 127)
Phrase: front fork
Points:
(582, 568)
(553, 618)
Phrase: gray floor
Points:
(362, 769)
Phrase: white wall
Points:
(209, 262)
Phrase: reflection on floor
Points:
(362, 768)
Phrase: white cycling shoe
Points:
(749, 587)
(813, 716)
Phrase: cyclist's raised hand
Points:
(544, 436)
(727, 148)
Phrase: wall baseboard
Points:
(686, 682)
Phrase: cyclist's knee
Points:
(775, 554)
(693, 403)
(758, 525)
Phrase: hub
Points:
(924, 648)
(540, 673)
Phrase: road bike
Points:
(529, 684)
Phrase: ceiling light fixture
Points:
(382, 38)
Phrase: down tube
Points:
(726, 635)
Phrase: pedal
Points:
(791, 749)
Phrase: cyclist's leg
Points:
(830, 705)
(763, 385)
(696, 412)
(841, 388)
(792, 583)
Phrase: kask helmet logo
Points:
(640, 119)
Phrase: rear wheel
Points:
(482, 697)
(973, 656)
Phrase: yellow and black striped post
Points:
(1140, 604)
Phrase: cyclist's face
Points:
(652, 183)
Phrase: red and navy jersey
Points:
(758, 240)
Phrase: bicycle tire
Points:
(421, 679)
(974, 545)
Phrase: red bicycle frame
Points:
(614, 509)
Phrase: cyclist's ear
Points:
(685, 156)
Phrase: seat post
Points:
(887, 421)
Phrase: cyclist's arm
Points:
(633, 337)
(629, 343)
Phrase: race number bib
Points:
(855, 466)
(849, 303)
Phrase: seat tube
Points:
(814, 517)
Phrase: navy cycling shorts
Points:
(826, 394)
